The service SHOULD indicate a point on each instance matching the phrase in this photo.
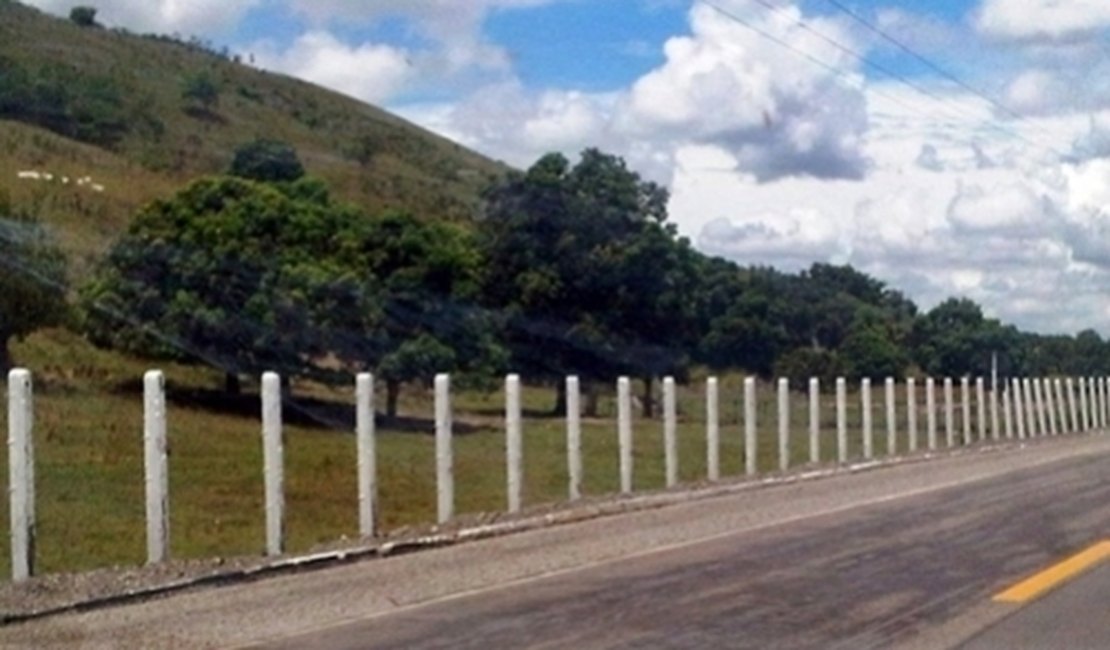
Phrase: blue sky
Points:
(770, 158)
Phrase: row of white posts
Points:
(1029, 408)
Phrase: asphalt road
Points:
(869, 578)
(906, 556)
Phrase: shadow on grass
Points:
(307, 412)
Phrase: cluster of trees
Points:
(572, 269)
(67, 101)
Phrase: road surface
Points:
(905, 556)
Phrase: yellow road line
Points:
(1053, 576)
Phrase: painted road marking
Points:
(1055, 575)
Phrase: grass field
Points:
(88, 436)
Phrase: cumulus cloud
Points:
(370, 72)
(195, 17)
(1042, 20)
(1095, 143)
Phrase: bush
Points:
(269, 161)
(83, 16)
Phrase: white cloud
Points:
(370, 72)
(192, 17)
(1043, 20)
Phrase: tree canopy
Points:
(267, 161)
(33, 281)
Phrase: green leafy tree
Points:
(268, 161)
(588, 276)
(240, 276)
(201, 91)
(427, 275)
(83, 16)
(32, 279)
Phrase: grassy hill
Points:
(107, 105)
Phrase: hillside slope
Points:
(106, 107)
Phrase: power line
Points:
(881, 33)
(863, 59)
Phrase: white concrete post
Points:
(273, 463)
(1030, 407)
(841, 420)
(670, 431)
(1008, 413)
(445, 453)
(931, 412)
(891, 423)
(624, 431)
(965, 407)
(750, 421)
(1050, 406)
(949, 424)
(1084, 411)
(1073, 407)
(514, 445)
(1061, 405)
(21, 473)
(1038, 400)
(996, 434)
(911, 413)
(784, 424)
(1019, 407)
(865, 406)
(712, 430)
(367, 459)
(814, 420)
(981, 407)
(155, 462)
(574, 439)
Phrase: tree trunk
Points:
(649, 398)
(392, 392)
(560, 399)
(232, 386)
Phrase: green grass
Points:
(88, 437)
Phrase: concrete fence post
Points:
(1050, 406)
(1008, 414)
(996, 434)
(514, 445)
(445, 453)
(949, 416)
(911, 414)
(841, 420)
(965, 408)
(624, 431)
(367, 455)
(784, 424)
(670, 431)
(156, 465)
(751, 440)
(1030, 408)
(712, 430)
(21, 473)
(931, 412)
(574, 439)
(865, 411)
(1019, 407)
(814, 420)
(981, 407)
(1084, 410)
(273, 463)
(1073, 407)
(1101, 383)
(1041, 406)
(1061, 405)
(891, 423)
